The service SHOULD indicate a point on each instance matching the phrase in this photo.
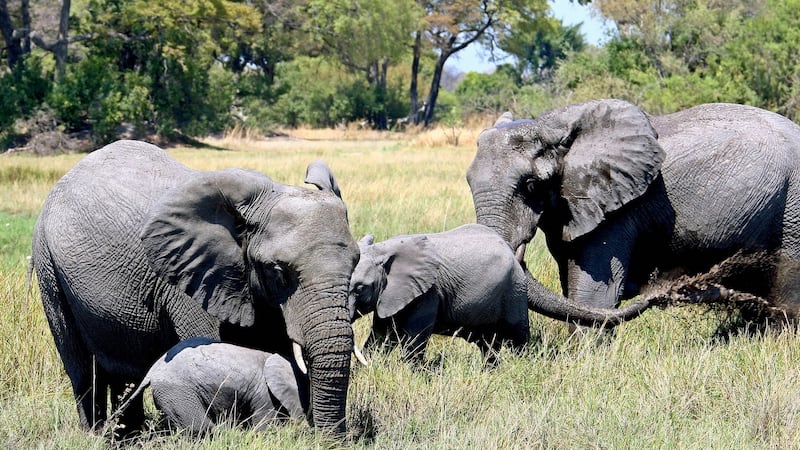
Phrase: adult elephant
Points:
(135, 252)
(622, 196)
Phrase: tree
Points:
(539, 45)
(17, 42)
(453, 25)
(367, 36)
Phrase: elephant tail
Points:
(544, 301)
(117, 413)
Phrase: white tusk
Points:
(520, 253)
(298, 357)
(359, 356)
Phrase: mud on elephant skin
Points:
(200, 383)
(621, 195)
(466, 282)
(135, 252)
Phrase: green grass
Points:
(663, 382)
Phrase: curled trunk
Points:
(545, 301)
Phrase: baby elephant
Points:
(465, 281)
(200, 382)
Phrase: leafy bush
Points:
(480, 93)
(23, 89)
(319, 93)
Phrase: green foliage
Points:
(480, 93)
(764, 57)
(540, 44)
(318, 93)
(22, 89)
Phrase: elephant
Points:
(465, 281)
(135, 252)
(200, 382)
(625, 198)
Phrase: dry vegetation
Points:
(664, 381)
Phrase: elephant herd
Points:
(192, 280)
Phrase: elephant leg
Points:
(415, 325)
(383, 335)
(183, 407)
(93, 402)
(89, 390)
(597, 271)
(131, 421)
(490, 346)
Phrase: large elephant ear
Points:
(287, 384)
(320, 175)
(411, 266)
(613, 157)
(194, 236)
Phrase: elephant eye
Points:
(280, 276)
(530, 185)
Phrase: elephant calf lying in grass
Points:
(200, 382)
(466, 282)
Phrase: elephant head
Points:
(568, 168)
(234, 241)
(391, 274)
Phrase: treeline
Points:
(145, 68)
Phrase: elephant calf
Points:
(200, 382)
(465, 281)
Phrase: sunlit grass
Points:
(662, 382)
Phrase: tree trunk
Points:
(434, 93)
(26, 25)
(381, 119)
(60, 46)
(413, 114)
(13, 43)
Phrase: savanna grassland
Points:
(664, 381)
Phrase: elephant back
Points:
(738, 166)
(89, 225)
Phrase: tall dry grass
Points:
(662, 382)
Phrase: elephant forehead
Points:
(498, 168)
(323, 210)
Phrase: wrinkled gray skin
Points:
(200, 382)
(465, 281)
(135, 252)
(622, 196)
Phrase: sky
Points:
(473, 59)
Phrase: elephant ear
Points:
(287, 384)
(613, 156)
(411, 266)
(367, 240)
(320, 175)
(504, 119)
(193, 238)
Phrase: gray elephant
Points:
(623, 197)
(135, 252)
(200, 382)
(464, 281)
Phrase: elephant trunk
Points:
(544, 301)
(328, 346)
(515, 225)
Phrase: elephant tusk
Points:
(360, 356)
(298, 357)
(520, 253)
